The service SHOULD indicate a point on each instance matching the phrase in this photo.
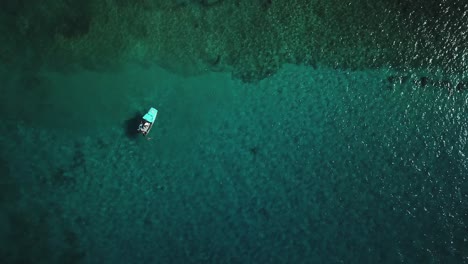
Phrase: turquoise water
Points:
(287, 132)
(307, 166)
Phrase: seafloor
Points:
(350, 152)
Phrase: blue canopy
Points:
(151, 115)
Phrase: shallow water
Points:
(305, 166)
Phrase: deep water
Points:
(307, 166)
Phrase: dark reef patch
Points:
(209, 3)
(266, 4)
(8, 187)
(79, 160)
(253, 151)
(72, 253)
(425, 81)
(12, 7)
(28, 237)
(74, 26)
(461, 86)
(61, 178)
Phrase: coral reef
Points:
(251, 39)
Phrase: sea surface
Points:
(307, 164)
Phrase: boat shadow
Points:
(131, 125)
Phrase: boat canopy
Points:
(151, 115)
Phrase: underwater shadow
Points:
(131, 125)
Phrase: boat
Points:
(147, 121)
